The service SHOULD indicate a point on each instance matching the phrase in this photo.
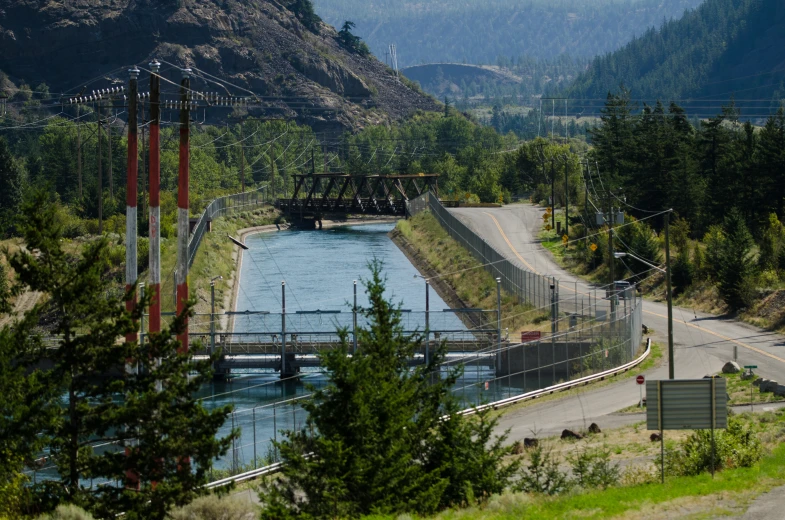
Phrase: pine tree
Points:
(375, 440)
(11, 186)
(151, 412)
(28, 406)
(736, 263)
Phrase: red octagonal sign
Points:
(640, 380)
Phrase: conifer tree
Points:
(736, 265)
(151, 412)
(375, 440)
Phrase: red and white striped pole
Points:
(155, 198)
(131, 269)
(183, 215)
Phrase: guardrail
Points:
(560, 387)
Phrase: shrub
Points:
(117, 255)
(683, 271)
(213, 507)
(735, 447)
(68, 512)
(542, 474)
(592, 468)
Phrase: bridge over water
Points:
(288, 342)
(318, 194)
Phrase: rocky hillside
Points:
(260, 45)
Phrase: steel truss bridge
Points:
(318, 194)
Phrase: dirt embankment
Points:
(442, 287)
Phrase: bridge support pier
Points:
(288, 368)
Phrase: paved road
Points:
(702, 343)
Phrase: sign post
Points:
(750, 367)
(640, 380)
(686, 404)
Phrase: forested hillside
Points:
(723, 48)
(479, 31)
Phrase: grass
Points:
(214, 258)
(464, 274)
(739, 391)
(702, 496)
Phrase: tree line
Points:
(707, 54)
(722, 177)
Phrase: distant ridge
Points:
(722, 49)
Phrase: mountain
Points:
(721, 49)
(481, 31)
(300, 67)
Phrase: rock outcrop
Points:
(262, 46)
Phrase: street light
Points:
(618, 254)
(427, 315)
(668, 288)
(212, 312)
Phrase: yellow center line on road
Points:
(532, 269)
(501, 232)
(698, 327)
(721, 336)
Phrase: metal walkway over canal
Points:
(322, 193)
(288, 342)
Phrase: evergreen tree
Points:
(29, 405)
(151, 412)
(376, 439)
(736, 263)
(303, 9)
(350, 41)
(772, 161)
(11, 186)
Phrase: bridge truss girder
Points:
(320, 193)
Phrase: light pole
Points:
(669, 291)
(212, 312)
(427, 314)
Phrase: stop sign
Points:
(640, 380)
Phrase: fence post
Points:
(499, 323)
(427, 319)
(253, 419)
(283, 329)
(354, 320)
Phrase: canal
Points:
(319, 268)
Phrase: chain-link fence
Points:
(219, 208)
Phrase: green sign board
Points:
(750, 366)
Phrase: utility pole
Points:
(183, 204)
(131, 270)
(155, 198)
(144, 165)
(611, 274)
(671, 374)
(586, 195)
(553, 197)
(566, 200)
(272, 174)
(100, 179)
(131, 232)
(242, 156)
(79, 152)
(109, 159)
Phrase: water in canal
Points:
(319, 267)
